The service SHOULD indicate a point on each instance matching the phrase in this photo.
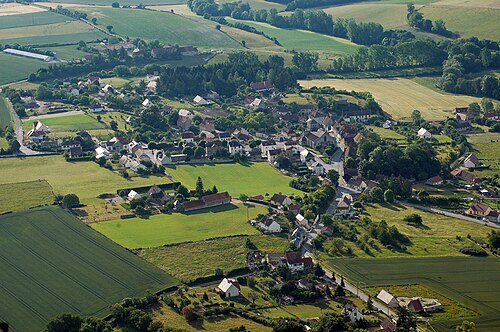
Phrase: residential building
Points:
(200, 101)
(435, 181)
(358, 116)
(424, 133)
(281, 200)
(472, 161)
(208, 201)
(269, 225)
(388, 299)
(295, 262)
(262, 86)
(39, 132)
(229, 288)
(157, 196)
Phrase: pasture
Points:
(32, 19)
(400, 97)
(86, 179)
(166, 27)
(253, 179)
(473, 282)
(5, 117)
(15, 68)
(65, 123)
(24, 195)
(163, 229)
(124, 2)
(188, 261)
(53, 264)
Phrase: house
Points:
(39, 132)
(481, 210)
(185, 119)
(235, 147)
(152, 85)
(424, 133)
(352, 312)
(266, 146)
(75, 152)
(306, 156)
(358, 116)
(157, 196)
(317, 138)
(388, 299)
(207, 125)
(262, 86)
(493, 116)
(66, 145)
(295, 262)
(101, 152)
(302, 221)
(133, 195)
(281, 200)
(147, 103)
(174, 159)
(188, 50)
(269, 225)
(229, 288)
(187, 137)
(294, 208)
(434, 181)
(272, 155)
(465, 176)
(317, 168)
(414, 304)
(163, 51)
(299, 235)
(387, 325)
(200, 101)
(224, 137)
(115, 144)
(472, 161)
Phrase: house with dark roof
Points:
(208, 201)
(434, 181)
(358, 116)
(484, 211)
(262, 86)
(157, 196)
(472, 161)
(295, 262)
(281, 200)
(269, 225)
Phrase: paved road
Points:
(19, 133)
(453, 215)
(55, 115)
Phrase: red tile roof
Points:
(215, 197)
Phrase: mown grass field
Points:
(65, 123)
(15, 68)
(12, 8)
(166, 27)
(188, 261)
(86, 179)
(5, 118)
(303, 40)
(24, 195)
(472, 282)
(400, 97)
(163, 229)
(39, 18)
(253, 179)
(52, 264)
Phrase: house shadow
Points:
(393, 206)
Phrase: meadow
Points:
(53, 264)
(486, 147)
(38, 18)
(472, 282)
(15, 68)
(125, 2)
(389, 15)
(188, 261)
(400, 97)
(163, 229)
(166, 27)
(253, 179)
(65, 123)
(24, 195)
(12, 8)
(41, 40)
(387, 133)
(86, 179)
(5, 118)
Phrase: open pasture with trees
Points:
(67, 122)
(470, 281)
(165, 27)
(52, 264)
(24, 195)
(15, 68)
(400, 97)
(188, 261)
(252, 179)
(199, 225)
(85, 178)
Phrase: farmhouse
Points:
(424, 133)
(207, 201)
(296, 262)
(465, 176)
(229, 287)
(472, 161)
(133, 195)
(157, 196)
(388, 298)
(317, 138)
(262, 86)
(185, 119)
(66, 145)
(481, 210)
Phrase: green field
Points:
(53, 264)
(24, 195)
(5, 117)
(387, 133)
(40, 18)
(254, 179)
(303, 40)
(66, 52)
(43, 40)
(188, 261)
(15, 68)
(487, 148)
(164, 229)
(86, 179)
(473, 282)
(124, 2)
(65, 123)
(166, 27)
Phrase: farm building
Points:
(31, 55)
(296, 262)
(472, 161)
(229, 287)
(424, 133)
(208, 201)
(388, 299)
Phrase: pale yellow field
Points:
(470, 3)
(400, 97)
(389, 15)
(16, 8)
(44, 30)
(178, 9)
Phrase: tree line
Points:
(416, 19)
(294, 4)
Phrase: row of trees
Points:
(416, 19)
(294, 4)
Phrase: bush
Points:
(414, 218)
(70, 201)
(473, 251)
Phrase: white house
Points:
(200, 101)
(424, 133)
(266, 146)
(101, 152)
(235, 147)
(387, 298)
(147, 103)
(317, 168)
(296, 262)
(472, 161)
(133, 195)
(229, 287)
(269, 225)
(353, 313)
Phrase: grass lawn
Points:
(253, 179)
(188, 261)
(15, 68)
(53, 264)
(65, 123)
(387, 133)
(400, 97)
(5, 118)
(164, 229)
(86, 179)
(24, 195)
(442, 139)
(472, 282)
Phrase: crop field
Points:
(163, 229)
(5, 118)
(12, 8)
(86, 179)
(52, 264)
(188, 261)
(470, 3)
(68, 123)
(24, 195)
(166, 27)
(124, 2)
(400, 97)
(15, 68)
(43, 40)
(472, 282)
(38, 18)
(66, 52)
(303, 40)
(253, 179)
(389, 15)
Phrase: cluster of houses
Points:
(133, 51)
(413, 304)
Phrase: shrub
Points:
(473, 251)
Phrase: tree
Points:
(253, 296)
(377, 195)
(494, 239)
(413, 218)
(286, 325)
(14, 146)
(331, 322)
(94, 21)
(318, 271)
(306, 61)
(109, 28)
(466, 326)
(219, 272)
(333, 176)
(64, 323)
(243, 198)
(389, 196)
(70, 201)
(115, 5)
(113, 125)
(251, 282)
(183, 191)
(199, 187)
(339, 291)
(189, 314)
